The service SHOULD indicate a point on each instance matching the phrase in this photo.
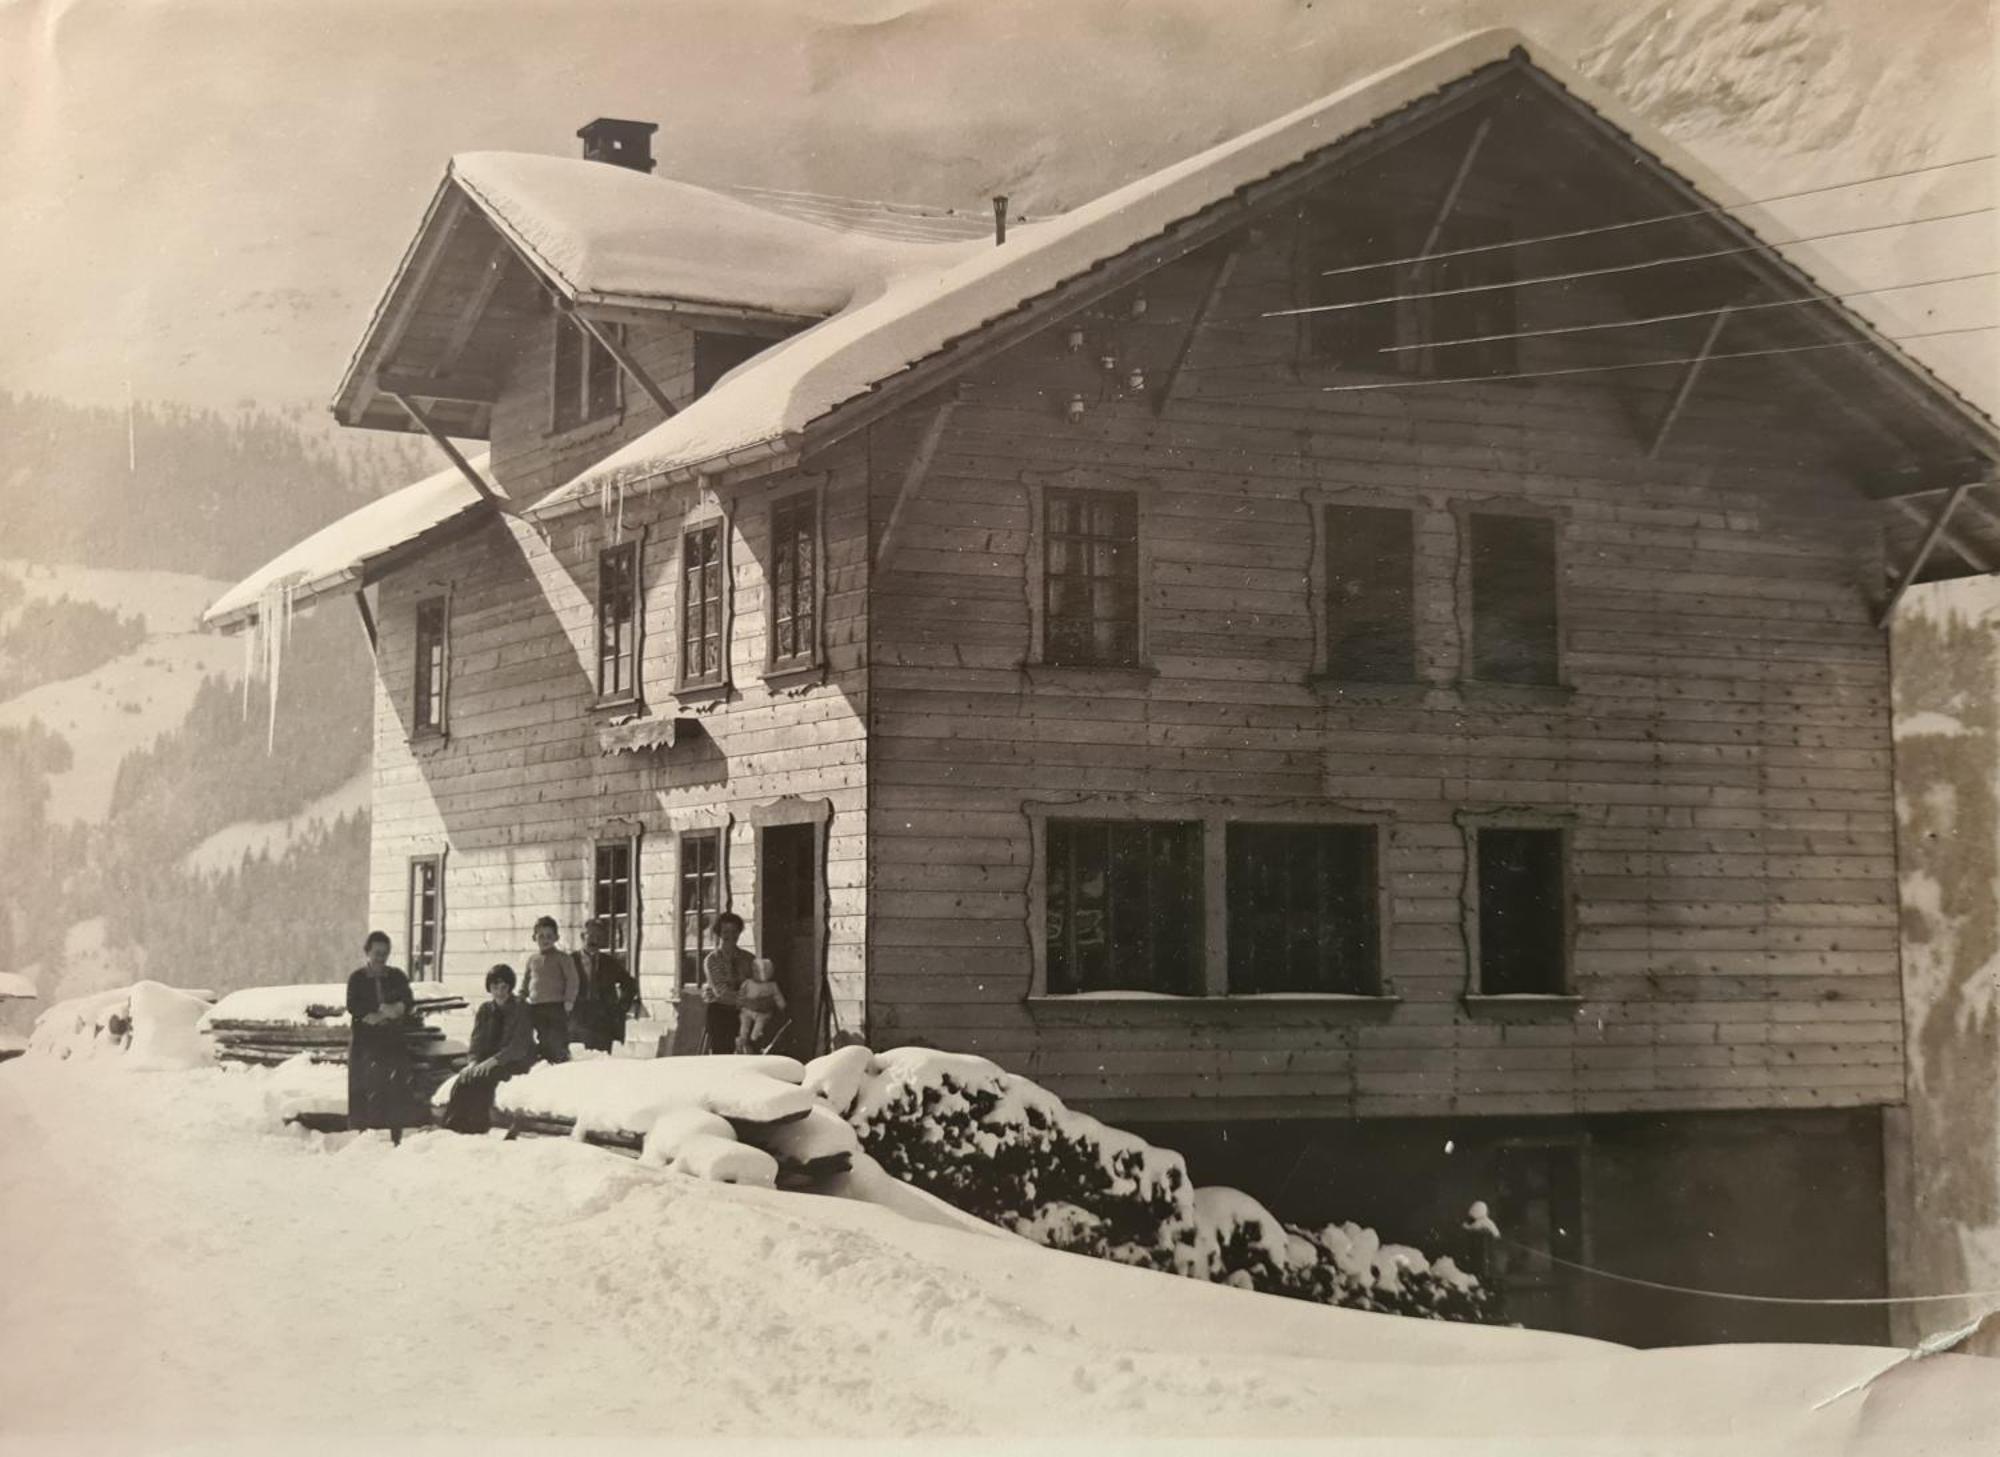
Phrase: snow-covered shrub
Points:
(998, 1146)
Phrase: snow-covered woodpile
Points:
(150, 1024)
(265, 1026)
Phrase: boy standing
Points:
(550, 991)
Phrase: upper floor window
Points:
(1523, 918)
(1090, 577)
(1371, 628)
(618, 620)
(715, 354)
(794, 581)
(585, 376)
(428, 706)
(703, 583)
(1516, 627)
(1378, 312)
(1123, 905)
(1304, 909)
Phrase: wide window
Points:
(1090, 577)
(428, 709)
(585, 376)
(702, 641)
(715, 354)
(1304, 909)
(618, 621)
(700, 897)
(1123, 902)
(1523, 912)
(794, 574)
(1371, 633)
(1516, 634)
(611, 900)
(424, 938)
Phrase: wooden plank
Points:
(492, 273)
(1686, 386)
(1923, 552)
(451, 453)
(912, 481)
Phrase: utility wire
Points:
(1781, 303)
(1623, 267)
(1671, 217)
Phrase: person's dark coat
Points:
(381, 1084)
(502, 1046)
(606, 999)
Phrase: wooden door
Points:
(788, 900)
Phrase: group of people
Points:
(561, 997)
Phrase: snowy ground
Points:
(178, 1269)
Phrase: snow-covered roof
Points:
(610, 233)
(906, 305)
(336, 555)
(16, 986)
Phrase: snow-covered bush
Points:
(1001, 1147)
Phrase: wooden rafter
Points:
(491, 276)
(451, 452)
(466, 388)
(1217, 282)
(367, 618)
(913, 479)
(1953, 538)
(1686, 387)
(615, 347)
(1923, 552)
(1449, 204)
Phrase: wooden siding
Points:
(517, 791)
(1721, 757)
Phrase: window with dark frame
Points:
(1304, 909)
(611, 895)
(1523, 912)
(700, 897)
(1371, 626)
(1090, 578)
(427, 713)
(425, 917)
(1468, 297)
(1395, 318)
(794, 581)
(1516, 632)
(1123, 901)
(701, 605)
(585, 376)
(716, 353)
(1345, 286)
(618, 621)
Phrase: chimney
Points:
(621, 143)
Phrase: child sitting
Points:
(758, 1002)
(503, 1045)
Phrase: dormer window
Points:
(715, 354)
(585, 381)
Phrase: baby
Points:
(758, 1002)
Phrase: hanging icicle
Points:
(264, 652)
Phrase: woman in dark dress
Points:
(379, 1083)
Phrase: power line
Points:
(1621, 267)
(1712, 210)
(1782, 303)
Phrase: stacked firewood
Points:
(320, 1031)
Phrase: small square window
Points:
(1123, 905)
(1523, 912)
(1304, 909)
(1516, 629)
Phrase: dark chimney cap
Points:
(621, 143)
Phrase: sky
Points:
(204, 198)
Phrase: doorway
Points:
(788, 921)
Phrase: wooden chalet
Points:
(1278, 655)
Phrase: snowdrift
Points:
(149, 1024)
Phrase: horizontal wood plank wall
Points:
(518, 790)
(1723, 760)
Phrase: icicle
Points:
(619, 533)
(250, 660)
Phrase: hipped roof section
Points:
(350, 552)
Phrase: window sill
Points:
(1474, 690)
(1113, 675)
(630, 703)
(697, 694)
(1100, 1006)
(1351, 690)
(1549, 1005)
(780, 676)
(428, 740)
(587, 430)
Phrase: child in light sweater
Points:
(758, 1001)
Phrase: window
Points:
(611, 896)
(702, 641)
(425, 938)
(716, 354)
(1483, 312)
(1304, 909)
(618, 622)
(1374, 318)
(794, 581)
(1515, 632)
(1090, 578)
(1523, 916)
(585, 376)
(1371, 632)
(700, 896)
(1345, 278)
(428, 713)
(1124, 906)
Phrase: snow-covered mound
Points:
(149, 1024)
(308, 1004)
(14, 984)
